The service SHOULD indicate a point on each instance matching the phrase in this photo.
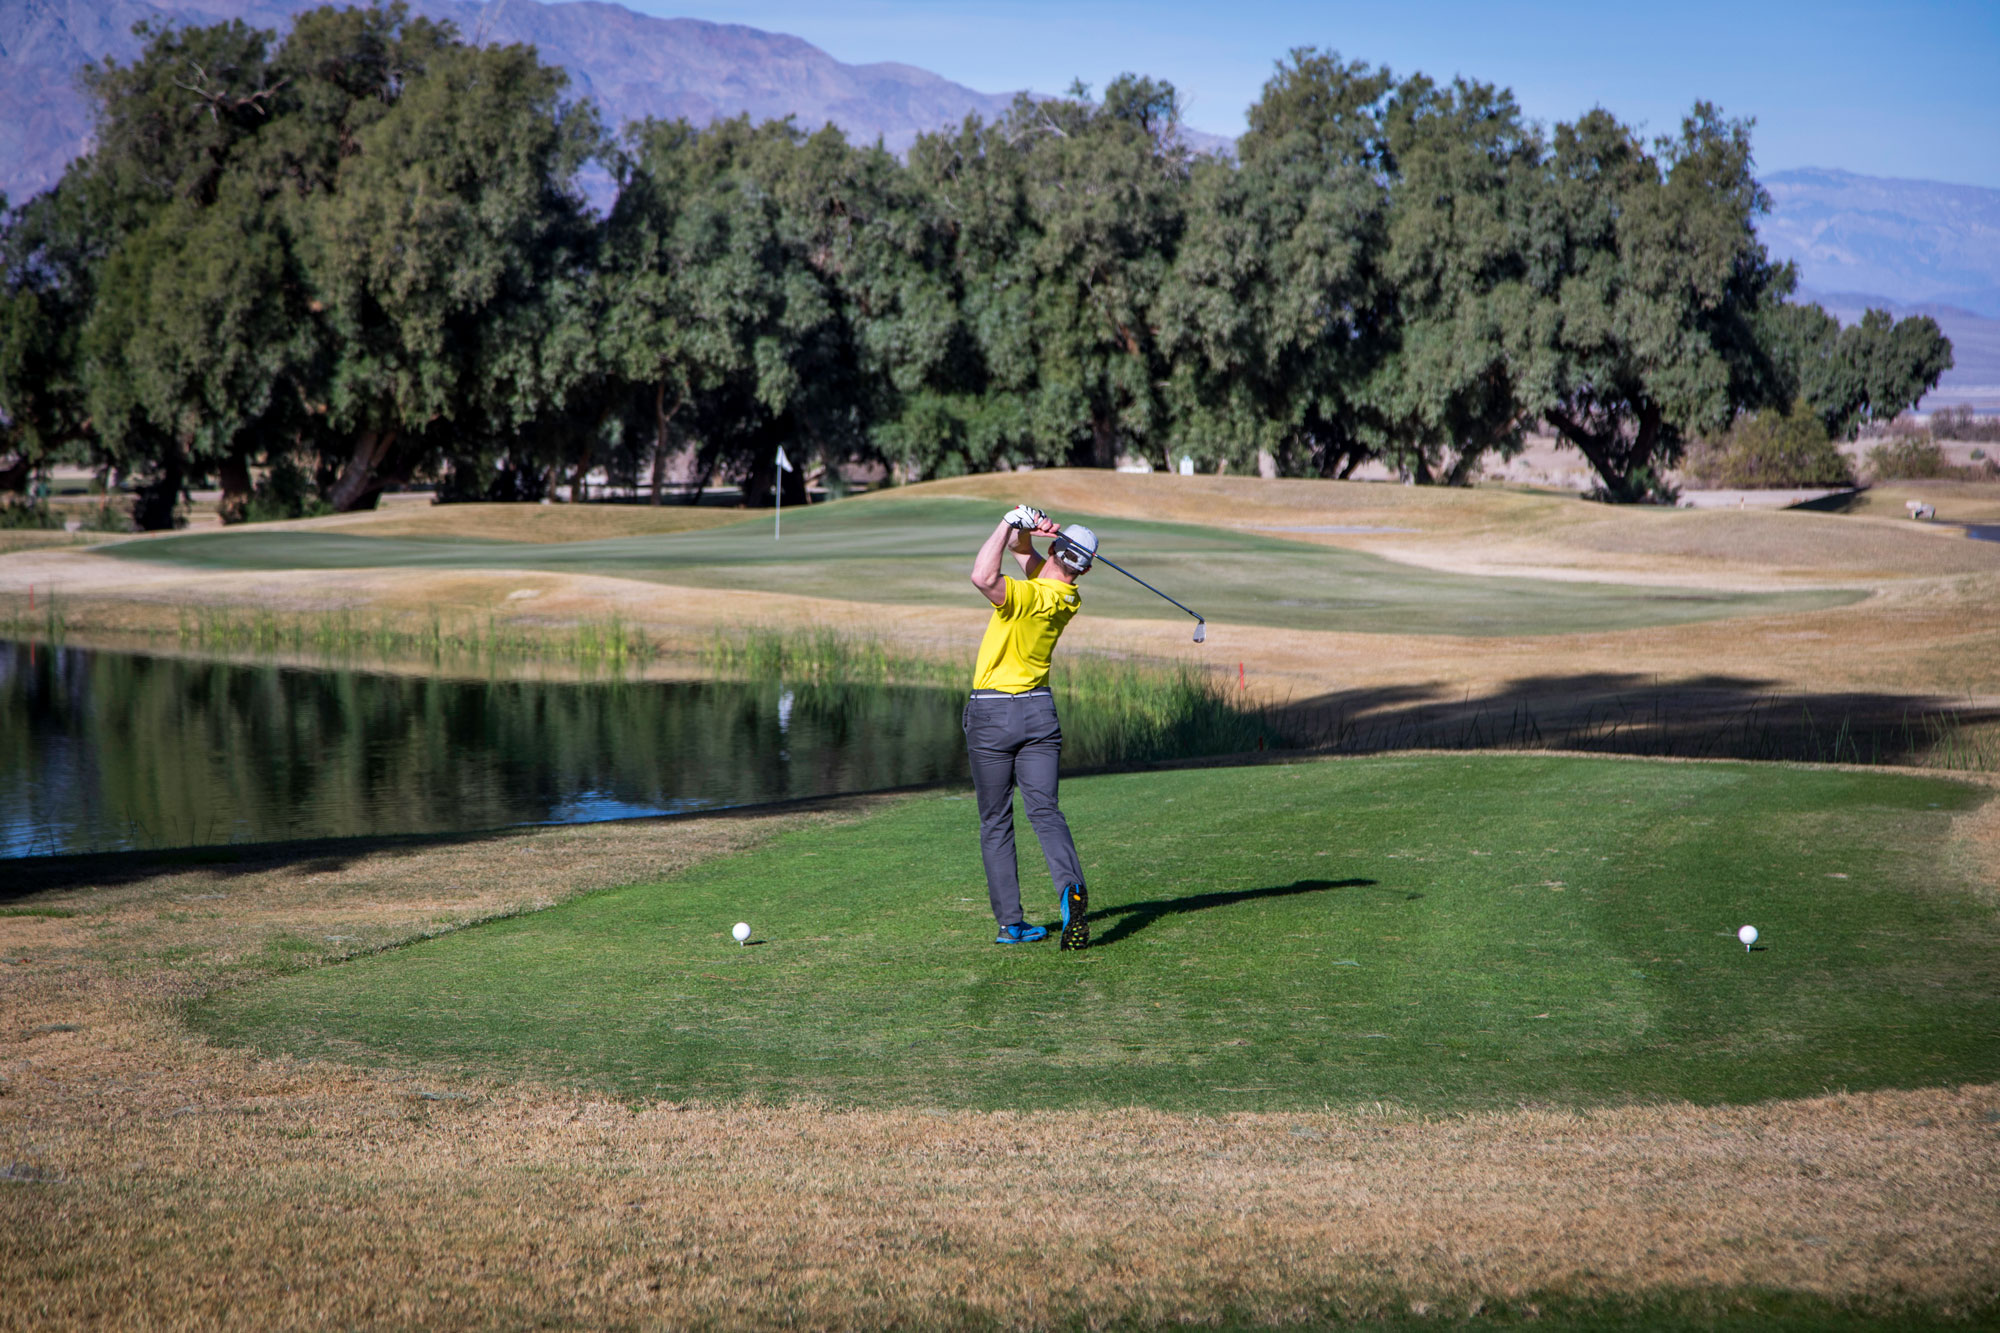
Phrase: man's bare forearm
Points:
(986, 575)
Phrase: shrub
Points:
(1771, 449)
(102, 517)
(28, 514)
(1959, 423)
(1913, 457)
(285, 492)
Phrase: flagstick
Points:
(784, 465)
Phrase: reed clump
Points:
(40, 617)
(342, 634)
(824, 656)
(1115, 712)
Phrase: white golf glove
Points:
(1025, 517)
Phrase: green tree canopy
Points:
(359, 254)
(1277, 305)
(1868, 371)
(1651, 277)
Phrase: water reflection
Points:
(102, 750)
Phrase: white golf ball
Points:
(742, 931)
(1748, 935)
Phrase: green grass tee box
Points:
(1438, 932)
(919, 551)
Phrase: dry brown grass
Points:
(42, 539)
(156, 1181)
(1514, 530)
(1961, 501)
(521, 522)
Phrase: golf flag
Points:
(778, 510)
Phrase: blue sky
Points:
(1910, 89)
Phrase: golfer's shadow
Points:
(1132, 918)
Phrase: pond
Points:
(110, 750)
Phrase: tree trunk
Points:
(234, 475)
(704, 465)
(1461, 468)
(153, 504)
(659, 438)
(358, 482)
(1103, 441)
(579, 489)
(1595, 448)
(1645, 448)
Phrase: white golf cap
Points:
(1076, 548)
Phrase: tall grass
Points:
(342, 634)
(45, 620)
(824, 656)
(1114, 712)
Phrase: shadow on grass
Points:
(25, 876)
(1134, 917)
(1704, 717)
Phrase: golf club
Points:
(1200, 625)
(1063, 544)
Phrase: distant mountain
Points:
(632, 64)
(1904, 241)
(1906, 246)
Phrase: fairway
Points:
(1443, 933)
(916, 550)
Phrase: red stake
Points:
(1240, 683)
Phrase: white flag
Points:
(778, 497)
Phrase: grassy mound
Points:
(1441, 932)
(916, 551)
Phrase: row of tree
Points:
(362, 255)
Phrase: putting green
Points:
(1441, 932)
(918, 550)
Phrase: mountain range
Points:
(1907, 245)
(633, 65)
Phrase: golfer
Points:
(1011, 732)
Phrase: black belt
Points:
(1043, 693)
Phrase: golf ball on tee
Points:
(1748, 935)
(742, 931)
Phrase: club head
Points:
(1200, 630)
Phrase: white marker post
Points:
(778, 514)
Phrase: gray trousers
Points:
(1015, 741)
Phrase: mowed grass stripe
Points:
(916, 551)
(1441, 932)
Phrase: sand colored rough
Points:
(1537, 534)
(155, 1181)
(539, 523)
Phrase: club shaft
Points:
(1151, 589)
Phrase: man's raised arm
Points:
(1014, 533)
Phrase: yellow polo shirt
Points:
(1021, 637)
